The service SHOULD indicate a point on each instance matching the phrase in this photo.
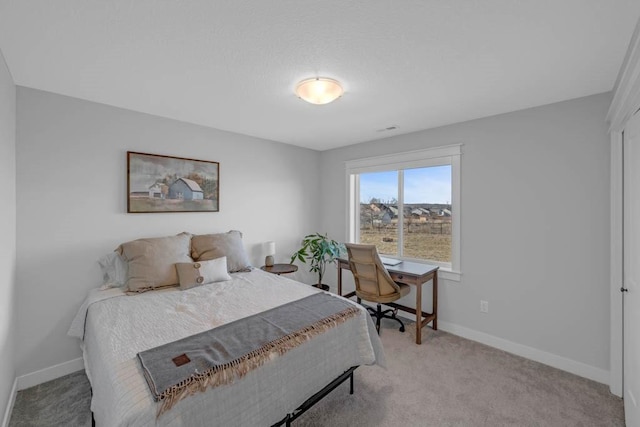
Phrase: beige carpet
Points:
(450, 381)
(447, 381)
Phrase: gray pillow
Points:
(211, 246)
(152, 262)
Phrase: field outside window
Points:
(407, 212)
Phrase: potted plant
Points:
(319, 250)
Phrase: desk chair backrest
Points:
(373, 282)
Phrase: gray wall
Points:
(71, 182)
(535, 214)
(535, 225)
(7, 232)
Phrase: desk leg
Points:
(339, 280)
(434, 325)
(419, 313)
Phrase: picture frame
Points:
(163, 184)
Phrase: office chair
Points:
(373, 282)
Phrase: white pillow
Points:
(192, 274)
(114, 270)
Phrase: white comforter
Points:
(118, 326)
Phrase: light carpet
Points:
(446, 381)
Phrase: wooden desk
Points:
(414, 274)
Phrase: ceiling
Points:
(233, 65)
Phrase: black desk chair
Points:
(373, 282)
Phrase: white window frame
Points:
(438, 156)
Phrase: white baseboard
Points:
(12, 401)
(50, 373)
(559, 362)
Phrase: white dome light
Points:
(319, 90)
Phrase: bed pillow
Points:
(114, 270)
(192, 274)
(211, 246)
(152, 262)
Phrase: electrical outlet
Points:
(484, 306)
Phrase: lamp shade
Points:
(319, 90)
(270, 248)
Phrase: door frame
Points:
(626, 101)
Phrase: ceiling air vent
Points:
(387, 129)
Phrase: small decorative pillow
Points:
(211, 246)
(194, 274)
(114, 270)
(152, 262)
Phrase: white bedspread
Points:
(117, 327)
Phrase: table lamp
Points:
(270, 250)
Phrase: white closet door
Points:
(631, 271)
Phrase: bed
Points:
(114, 327)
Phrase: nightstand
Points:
(280, 268)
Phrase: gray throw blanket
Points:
(218, 356)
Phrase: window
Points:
(408, 205)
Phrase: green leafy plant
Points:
(319, 250)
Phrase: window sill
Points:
(448, 274)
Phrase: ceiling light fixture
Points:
(319, 90)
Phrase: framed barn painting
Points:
(171, 184)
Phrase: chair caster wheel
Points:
(401, 328)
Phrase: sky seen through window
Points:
(421, 185)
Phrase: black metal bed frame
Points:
(307, 404)
(310, 402)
